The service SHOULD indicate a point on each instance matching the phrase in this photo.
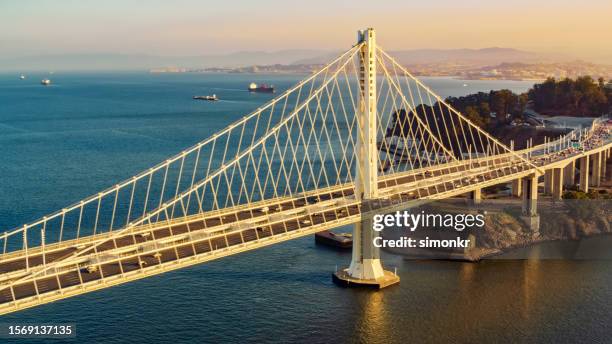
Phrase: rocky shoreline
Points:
(505, 230)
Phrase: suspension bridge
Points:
(360, 135)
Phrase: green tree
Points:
(581, 97)
(473, 115)
(523, 100)
(503, 102)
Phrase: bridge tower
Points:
(366, 268)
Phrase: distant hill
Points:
(146, 62)
(487, 56)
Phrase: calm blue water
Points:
(88, 131)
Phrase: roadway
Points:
(79, 266)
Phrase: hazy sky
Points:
(188, 27)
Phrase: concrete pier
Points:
(569, 174)
(530, 203)
(467, 250)
(475, 197)
(366, 268)
(584, 174)
(596, 170)
(548, 181)
(517, 188)
(604, 164)
(344, 279)
(557, 183)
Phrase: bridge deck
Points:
(152, 249)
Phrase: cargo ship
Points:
(339, 240)
(253, 87)
(212, 98)
(45, 82)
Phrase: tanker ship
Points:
(253, 87)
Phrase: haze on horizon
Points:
(581, 29)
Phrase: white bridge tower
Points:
(366, 268)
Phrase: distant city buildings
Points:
(516, 71)
(503, 71)
(264, 69)
(169, 70)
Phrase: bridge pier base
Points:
(343, 279)
(366, 269)
(557, 187)
(569, 174)
(595, 172)
(548, 182)
(530, 204)
(467, 251)
(517, 188)
(584, 174)
(475, 197)
(604, 164)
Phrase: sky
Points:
(580, 28)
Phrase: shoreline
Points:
(450, 77)
(478, 254)
(505, 231)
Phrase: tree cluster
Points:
(484, 109)
(583, 97)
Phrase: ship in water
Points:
(22, 77)
(338, 240)
(253, 87)
(212, 98)
(45, 82)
